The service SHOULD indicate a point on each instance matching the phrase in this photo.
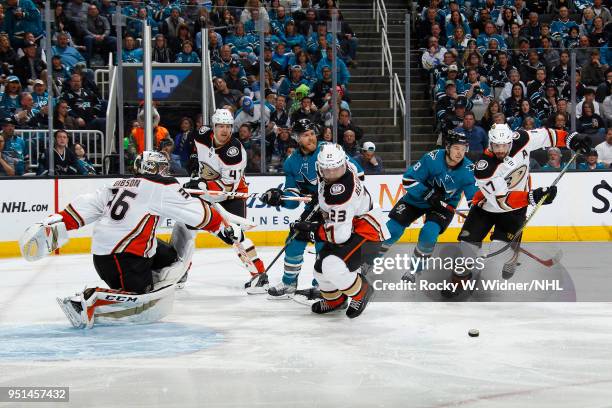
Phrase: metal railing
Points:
(379, 13)
(37, 141)
(111, 113)
(398, 98)
(102, 77)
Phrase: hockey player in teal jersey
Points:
(435, 182)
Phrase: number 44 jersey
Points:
(128, 211)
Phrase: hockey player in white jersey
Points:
(140, 270)
(350, 220)
(502, 175)
(222, 161)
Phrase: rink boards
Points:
(582, 210)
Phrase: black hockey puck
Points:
(473, 333)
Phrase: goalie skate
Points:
(73, 311)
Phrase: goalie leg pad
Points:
(183, 242)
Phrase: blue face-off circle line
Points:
(53, 342)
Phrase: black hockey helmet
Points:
(456, 137)
(304, 125)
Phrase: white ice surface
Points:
(266, 353)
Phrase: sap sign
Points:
(164, 82)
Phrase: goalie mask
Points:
(150, 162)
(331, 162)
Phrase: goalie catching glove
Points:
(41, 239)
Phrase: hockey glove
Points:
(579, 143)
(230, 234)
(272, 197)
(306, 230)
(536, 195)
(434, 197)
(192, 184)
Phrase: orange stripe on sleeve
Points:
(561, 138)
(517, 199)
(69, 220)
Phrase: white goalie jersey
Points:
(128, 212)
(504, 184)
(348, 208)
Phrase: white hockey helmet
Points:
(500, 133)
(331, 162)
(150, 162)
(222, 117)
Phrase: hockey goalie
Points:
(140, 270)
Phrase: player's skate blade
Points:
(509, 269)
(357, 306)
(327, 306)
(72, 310)
(181, 282)
(258, 285)
(307, 296)
(282, 291)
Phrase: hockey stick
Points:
(236, 194)
(546, 262)
(539, 204)
(315, 209)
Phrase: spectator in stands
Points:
(583, 51)
(545, 103)
(345, 123)
(29, 67)
(489, 57)
(453, 77)
(554, 160)
(476, 135)
(604, 149)
(457, 20)
(601, 11)
(558, 121)
(137, 132)
(604, 89)
(183, 35)
(82, 160)
(293, 82)
(166, 146)
(593, 71)
(447, 101)
(7, 162)
(589, 97)
(476, 90)
(434, 54)
(327, 135)
(281, 143)
(458, 42)
(349, 143)
(234, 80)
(475, 61)
(130, 53)
(322, 87)
(367, 159)
(512, 104)
(64, 160)
(453, 118)
(84, 104)
(343, 74)
(21, 16)
(70, 56)
(170, 25)
(536, 87)
(281, 56)
(280, 116)
(506, 18)
(591, 162)
(14, 145)
(524, 115)
(96, 33)
(530, 69)
(520, 57)
(561, 73)
(160, 51)
(76, 11)
(27, 116)
(10, 99)
(484, 38)
(187, 55)
(224, 96)
(307, 111)
(59, 72)
(487, 119)
(563, 23)
(532, 30)
(250, 112)
(566, 92)
(573, 38)
(308, 71)
(550, 56)
(135, 26)
(39, 94)
(184, 141)
(598, 35)
(513, 39)
(309, 24)
(500, 71)
(63, 120)
(7, 53)
(590, 122)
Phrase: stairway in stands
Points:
(370, 91)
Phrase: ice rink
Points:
(223, 348)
